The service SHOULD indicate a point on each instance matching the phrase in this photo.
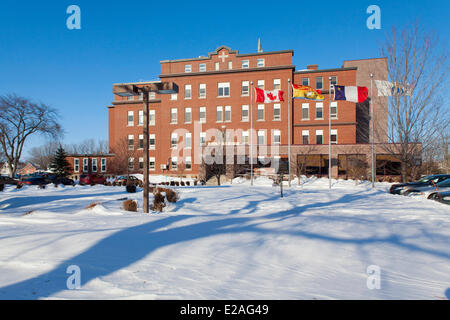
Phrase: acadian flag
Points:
(349, 93)
(305, 92)
(265, 96)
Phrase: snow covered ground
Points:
(228, 242)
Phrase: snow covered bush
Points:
(158, 202)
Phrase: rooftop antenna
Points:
(259, 46)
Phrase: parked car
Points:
(124, 179)
(91, 179)
(61, 180)
(35, 181)
(401, 188)
(8, 180)
(429, 191)
(443, 197)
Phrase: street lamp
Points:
(126, 90)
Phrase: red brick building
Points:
(89, 164)
(215, 93)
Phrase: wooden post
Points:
(146, 154)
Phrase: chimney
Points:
(313, 67)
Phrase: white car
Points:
(430, 191)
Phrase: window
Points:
(141, 163)
(141, 141)
(227, 113)
(276, 136)
(334, 136)
(203, 138)
(130, 118)
(202, 115)
(174, 140)
(334, 80)
(260, 84)
(245, 64)
(202, 90)
(223, 89)
(319, 110)
(151, 95)
(219, 114)
(244, 113)
(244, 88)
(333, 110)
(305, 111)
(261, 137)
(276, 111)
(85, 165)
(174, 96)
(131, 164)
(216, 66)
(152, 141)
(151, 163)
(319, 83)
(276, 84)
(260, 112)
(188, 163)
(141, 96)
(187, 115)
(151, 117)
(305, 136)
(230, 65)
(260, 63)
(76, 165)
(130, 98)
(187, 91)
(140, 118)
(173, 163)
(202, 67)
(319, 136)
(244, 137)
(130, 142)
(305, 81)
(188, 140)
(173, 115)
(103, 164)
(187, 68)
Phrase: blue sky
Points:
(73, 70)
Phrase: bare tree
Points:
(415, 65)
(19, 119)
(298, 164)
(122, 151)
(43, 155)
(88, 146)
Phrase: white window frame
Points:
(174, 96)
(244, 107)
(230, 65)
(103, 167)
(245, 137)
(223, 86)
(260, 107)
(141, 118)
(187, 68)
(188, 160)
(174, 140)
(219, 108)
(202, 139)
(188, 138)
(276, 133)
(202, 88)
(334, 132)
(322, 83)
(202, 110)
(227, 110)
(216, 66)
(174, 160)
(187, 89)
(305, 106)
(151, 137)
(151, 163)
(319, 105)
(303, 82)
(141, 138)
(141, 163)
(85, 164)
(261, 133)
(260, 62)
(174, 111)
(277, 84)
(130, 123)
(245, 84)
(334, 115)
(152, 117)
(245, 64)
(277, 106)
(202, 67)
(260, 84)
(130, 161)
(305, 133)
(130, 146)
(187, 111)
(76, 165)
(319, 133)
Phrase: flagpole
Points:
(372, 132)
(329, 134)
(289, 130)
(251, 134)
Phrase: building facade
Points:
(90, 164)
(215, 95)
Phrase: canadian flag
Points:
(265, 96)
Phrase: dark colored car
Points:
(8, 180)
(443, 197)
(35, 181)
(91, 179)
(61, 180)
(123, 179)
(400, 188)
